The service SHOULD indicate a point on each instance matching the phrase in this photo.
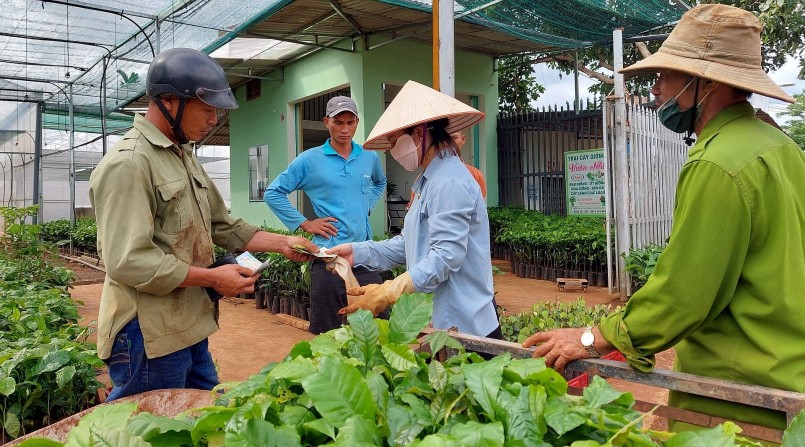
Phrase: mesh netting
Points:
(108, 55)
(103, 67)
(563, 23)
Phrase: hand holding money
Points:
(319, 254)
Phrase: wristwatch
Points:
(588, 341)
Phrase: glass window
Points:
(258, 171)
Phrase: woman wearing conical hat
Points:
(445, 238)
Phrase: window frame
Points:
(256, 155)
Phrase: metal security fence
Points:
(656, 156)
(644, 168)
(531, 148)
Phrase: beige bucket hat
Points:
(417, 104)
(717, 42)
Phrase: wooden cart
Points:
(788, 402)
(581, 283)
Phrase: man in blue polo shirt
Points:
(343, 182)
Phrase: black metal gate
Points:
(531, 148)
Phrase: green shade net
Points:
(107, 57)
(89, 123)
(563, 23)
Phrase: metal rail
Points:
(789, 402)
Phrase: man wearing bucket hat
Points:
(159, 216)
(445, 238)
(343, 182)
(727, 289)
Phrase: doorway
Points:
(313, 134)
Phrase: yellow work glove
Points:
(377, 297)
(339, 266)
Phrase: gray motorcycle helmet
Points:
(187, 73)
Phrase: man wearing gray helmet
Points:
(159, 216)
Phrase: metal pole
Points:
(37, 198)
(102, 93)
(157, 36)
(447, 66)
(576, 103)
(435, 44)
(621, 173)
(72, 164)
(605, 113)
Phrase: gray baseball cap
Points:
(338, 104)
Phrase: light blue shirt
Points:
(445, 246)
(345, 189)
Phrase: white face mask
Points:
(405, 152)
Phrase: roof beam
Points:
(345, 16)
(395, 37)
(24, 90)
(39, 64)
(298, 31)
(197, 25)
(427, 23)
(80, 4)
(136, 61)
(173, 9)
(319, 35)
(27, 93)
(55, 39)
(248, 76)
(478, 8)
(46, 81)
(313, 23)
(300, 42)
(653, 37)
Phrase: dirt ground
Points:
(251, 338)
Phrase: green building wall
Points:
(270, 119)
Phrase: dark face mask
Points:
(678, 120)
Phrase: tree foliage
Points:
(517, 87)
(783, 35)
(782, 38)
(796, 127)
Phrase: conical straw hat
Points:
(717, 42)
(417, 104)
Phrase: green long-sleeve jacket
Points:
(727, 290)
(157, 215)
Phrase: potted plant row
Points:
(549, 247)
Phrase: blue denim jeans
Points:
(132, 372)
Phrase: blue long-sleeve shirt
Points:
(345, 189)
(445, 244)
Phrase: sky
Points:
(559, 91)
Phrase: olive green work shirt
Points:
(157, 215)
(727, 289)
